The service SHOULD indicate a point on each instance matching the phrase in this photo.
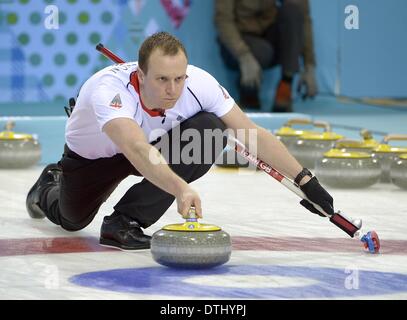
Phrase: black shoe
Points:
(49, 177)
(124, 233)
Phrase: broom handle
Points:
(338, 218)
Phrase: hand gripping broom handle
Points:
(337, 218)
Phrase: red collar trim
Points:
(152, 112)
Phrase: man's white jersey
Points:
(113, 93)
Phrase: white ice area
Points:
(245, 204)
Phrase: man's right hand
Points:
(186, 198)
(250, 71)
(130, 139)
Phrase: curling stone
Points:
(387, 154)
(289, 135)
(366, 145)
(311, 147)
(398, 172)
(191, 245)
(18, 150)
(342, 169)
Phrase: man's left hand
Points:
(317, 194)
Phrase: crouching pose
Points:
(124, 123)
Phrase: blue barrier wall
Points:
(39, 64)
(369, 61)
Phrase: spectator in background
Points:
(259, 34)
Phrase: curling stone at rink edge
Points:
(398, 171)
(341, 169)
(386, 154)
(18, 150)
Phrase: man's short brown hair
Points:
(164, 41)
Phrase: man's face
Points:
(165, 78)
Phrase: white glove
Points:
(307, 84)
(250, 71)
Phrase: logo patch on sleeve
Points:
(116, 102)
(224, 92)
(180, 118)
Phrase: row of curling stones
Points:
(311, 147)
(191, 245)
(289, 135)
(350, 163)
(359, 164)
(18, 150)
(307, 146)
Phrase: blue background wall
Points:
(39, 65)
(370, 61)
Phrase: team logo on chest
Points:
(116, 102)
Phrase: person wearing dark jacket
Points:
(260, 34)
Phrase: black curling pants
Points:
(86, 184)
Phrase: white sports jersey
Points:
(113, 93)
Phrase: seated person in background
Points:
(260, 34)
